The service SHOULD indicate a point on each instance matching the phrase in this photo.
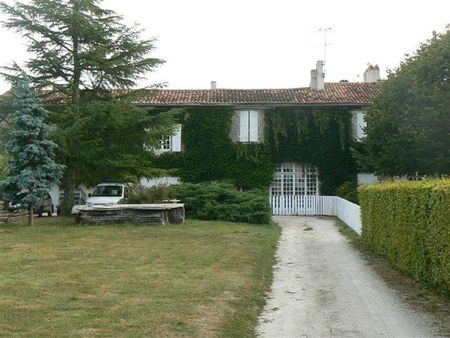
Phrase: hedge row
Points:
(210, 201)
(408, 222)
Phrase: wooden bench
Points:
(132, 213)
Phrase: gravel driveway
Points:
(323, 288)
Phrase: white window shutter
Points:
(354, 125)
(253, 129)
(176, 138)
(243, 126)
(360, 125)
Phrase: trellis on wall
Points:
(294, 188)
(295, 179)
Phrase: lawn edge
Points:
(242, 319)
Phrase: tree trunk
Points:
(69, 191)
(77, 69)
(30, 215)
(70, 177)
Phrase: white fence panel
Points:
(328, 206)
(349, 213)
(346, 211)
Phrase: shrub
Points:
(137, 194)
(408, 222)
(208, 201)
(349, 191)
(222, 201)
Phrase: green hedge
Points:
(408, 222)
(209, 201)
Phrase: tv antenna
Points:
(325, 44)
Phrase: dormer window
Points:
(249, 126)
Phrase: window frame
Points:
(167, 142)
(252, 125)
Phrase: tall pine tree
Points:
(83, 52)
(32, 168)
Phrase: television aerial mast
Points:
(325, 44)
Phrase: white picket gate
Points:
(295, 205)
(346, 211)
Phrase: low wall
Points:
(132, 213)
(12, 217)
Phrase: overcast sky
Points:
(269, 43)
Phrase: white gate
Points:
(294, 205)
(294, 190)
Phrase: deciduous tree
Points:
(408, 126)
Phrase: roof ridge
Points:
(335, 93)
(263, 89)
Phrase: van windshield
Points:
(108, 191)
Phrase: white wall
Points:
(165, 180)
(366, 178)
(54, 194)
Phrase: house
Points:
(295, 141)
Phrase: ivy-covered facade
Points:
(253, 137)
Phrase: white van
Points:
(104, 194)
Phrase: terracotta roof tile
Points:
(341, 93)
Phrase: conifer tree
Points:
(5, 121)
(32, 168)
(83, 52)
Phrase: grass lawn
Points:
(202, 279)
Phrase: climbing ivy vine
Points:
(318, 137)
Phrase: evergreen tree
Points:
(408, 126)
(32, 168)
(3, 162)
(82, 52)
(6, 112)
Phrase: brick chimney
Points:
(372, 73)
(213, 85)
(318, 77)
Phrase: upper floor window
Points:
(171, 143)
(166, 142)
(249, 126)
